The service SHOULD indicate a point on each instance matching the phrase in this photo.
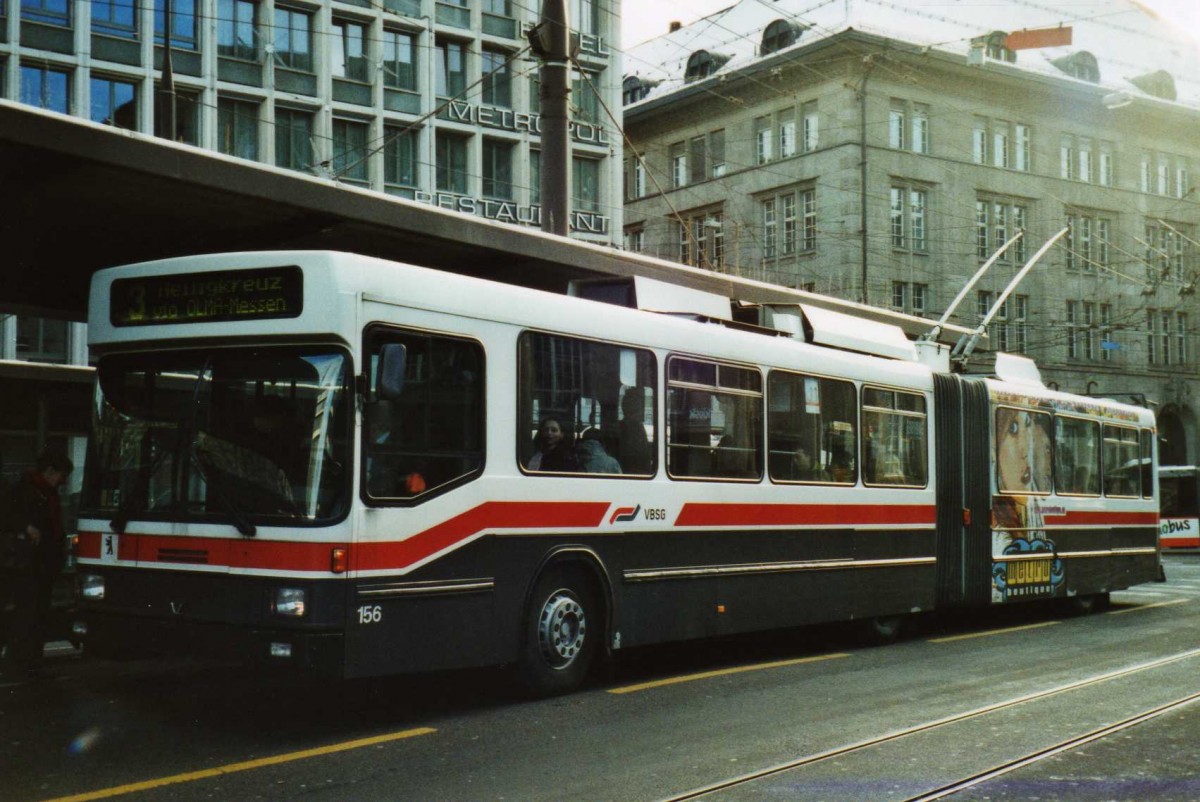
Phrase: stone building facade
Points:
(826, 156)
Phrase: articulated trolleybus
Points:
(362, 468)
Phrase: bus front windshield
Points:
(239, 435)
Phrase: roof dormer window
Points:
(702, 64)
(1157, 84)
(780, 34)
(1081, 65)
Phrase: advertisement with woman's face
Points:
(1024, 451)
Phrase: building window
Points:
(762, 140)
(808, 211)
(497, 79)
(1144, 173)
(789, 223)
(1107, 346)
(1087, 242)
(183, 24)
(637, 179)
(46, 88)
(499, 8)
(497, 169)
(896, 124)
(399, 62)
(716, 153)
(1000, 144)
(585, 187)
(778, 35)
(811, 122)
(187, 123)
(1067, 158)
(293, 39)
(979, 141)
(114, 102)
(451, 163)
(237, 128)
(1090, 332)
(768, 227)
(585, 99)
(1107, 165)
(1007, 330)
(909, 297)
(1022, 147)
(1181, 337)
(697, 159)
(350, 157)
(920, 128)
(1073, 330)
(399, 158)
(42, 340)
(787, 133)
(1152, 355)
(235, 29)
(293, 139)
(1085, 160)
(114, 18)
(52, 12)
(909, 222)
(635, 239)
(451, 69)
(587, 16)
(349, 51)
(535, 176)
(679, 171)
(1168, 252)
(702, 239)
(996, 221)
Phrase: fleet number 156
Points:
(370, 614)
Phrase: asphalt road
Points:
(796, 715)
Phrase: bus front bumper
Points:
(107, 635)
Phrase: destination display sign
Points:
(226, 295)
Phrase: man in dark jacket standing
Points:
(37, 513)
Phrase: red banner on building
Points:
(1041, 37)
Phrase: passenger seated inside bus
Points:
(592, 456)
(555, 448)
(805, 469)
(633, 447)
(388, 473)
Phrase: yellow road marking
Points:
(248, 765)
(970, 635)
(645, 686)
(1148, 606)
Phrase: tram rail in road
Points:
(744, 781)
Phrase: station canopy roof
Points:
(79, 197)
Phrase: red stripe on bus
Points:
(1104, 518)
(489, 516)
(805, 514)
(1179, 542)
(277, 555)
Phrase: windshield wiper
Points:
(236, 514)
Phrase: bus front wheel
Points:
(562, 631)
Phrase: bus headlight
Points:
(91, 587)
(289, 602)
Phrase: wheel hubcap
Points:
(562, 628)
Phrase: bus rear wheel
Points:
(562, 631)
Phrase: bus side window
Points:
(585, 407)
(430, 436)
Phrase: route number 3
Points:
(370, 614)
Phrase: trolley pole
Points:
(550, 41)
(168, 74)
